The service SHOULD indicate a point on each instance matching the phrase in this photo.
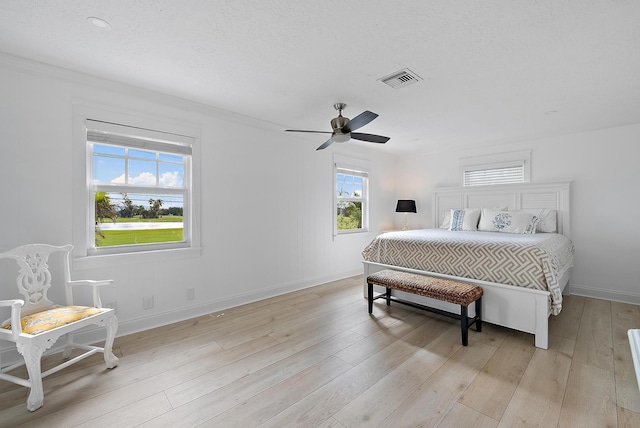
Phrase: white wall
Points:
(266, 198)
(605, 199)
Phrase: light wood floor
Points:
(315, 358)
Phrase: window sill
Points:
(351, 232)
(109, 260)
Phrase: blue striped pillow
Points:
(466, 219)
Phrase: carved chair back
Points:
(34, 276)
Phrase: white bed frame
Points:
(519, 308)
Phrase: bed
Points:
(523, 275)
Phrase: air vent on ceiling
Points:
(400, 79)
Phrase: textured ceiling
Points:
(492, 70)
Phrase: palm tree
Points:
(127, 206)
(155, 205)
(104, 209)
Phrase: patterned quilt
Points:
(533, 261)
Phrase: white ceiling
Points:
(492, 70)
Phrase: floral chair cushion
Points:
(53, 318)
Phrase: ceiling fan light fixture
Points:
(341, 138)
(99, 22)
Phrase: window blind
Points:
(119, 135)
(355, 173)
(496, 175)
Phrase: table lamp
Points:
(406, 206)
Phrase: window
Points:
(501, 168)
(139, 189)
(350, 199)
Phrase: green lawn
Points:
(128, 237)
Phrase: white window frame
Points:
(99, 132)
(153, 127)
(356, 167)
(499, 168)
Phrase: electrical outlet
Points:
(147, 302)
(191, 293)
(112, 305)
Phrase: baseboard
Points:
(601, 293)
(96, 334)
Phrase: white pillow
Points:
(548, 219)
(446, 220)
(507, 221)
(466, 219)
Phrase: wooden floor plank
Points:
(130, 416)
(567, 323)
(331, 423)
(384, 318)
(375, 404)
(249, 331)
(363, 349)
(211, 325)
(225, 397)
(103, 391)
(350, 316)
(462, 416)
(430, 403)
(323, 403)
(492, 389)
(589, 398)
(594, 344)
(537, 401)
(625, 317)
(628, 418)
(278, 398)
(193, 388)
(127, 416)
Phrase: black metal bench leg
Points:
(388, 296)
(370, 296)
(464, 321)
(479, 314)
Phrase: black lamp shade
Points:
(406, 206)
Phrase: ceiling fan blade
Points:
(371, 138)
(326, 144)
(301, 130)
(359, 121)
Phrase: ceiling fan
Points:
(343, 127)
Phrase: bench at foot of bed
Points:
(447, 290)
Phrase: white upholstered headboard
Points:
(552, 195)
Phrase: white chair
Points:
(36, 323)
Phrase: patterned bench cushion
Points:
(447, 290)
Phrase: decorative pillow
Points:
(507, 221)
(466, 219)
(548, 219)
(446, 220)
